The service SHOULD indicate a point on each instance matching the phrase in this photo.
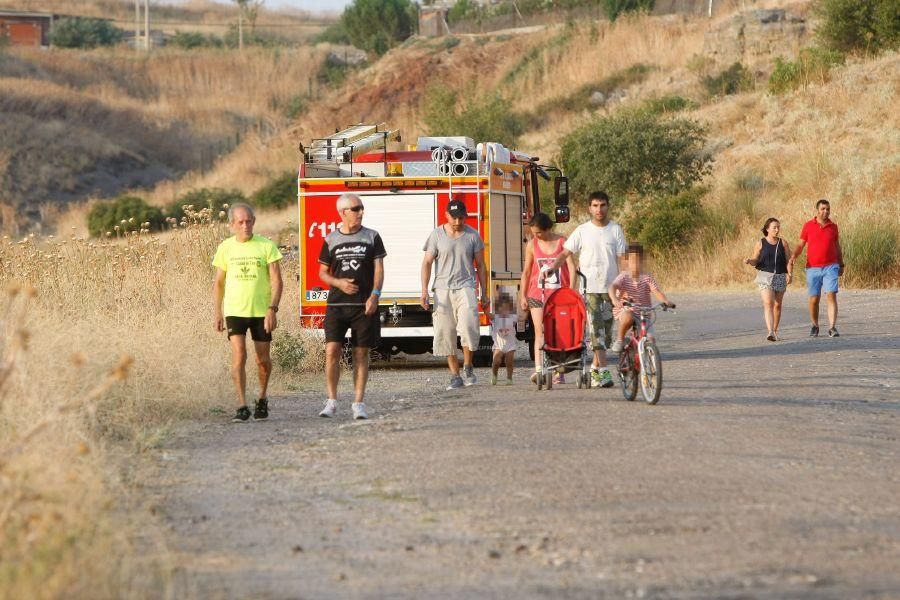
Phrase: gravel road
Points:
(768, 470)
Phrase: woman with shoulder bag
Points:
(774, 273)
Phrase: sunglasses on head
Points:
(356, 208)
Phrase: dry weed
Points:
(64, 532)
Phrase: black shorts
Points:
(256, 325)
(365, 331)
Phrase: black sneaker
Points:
(261, 412)
(242, 415)
(814, 331)
(833, 332)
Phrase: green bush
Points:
(664, 222)
(669, 103)
(333, 34)
(853, 25)
(813, 65)
(871, 251)
(614, 8)
(463, 10)
(378, 25)
(188, 40)
(214, 199)
(735, 79)
(484, 119)
(277, 193)
(252, 37)
(82, 32)
(124, 214)
(635, 152)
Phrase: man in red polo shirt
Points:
(824, 264)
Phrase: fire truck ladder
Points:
(344, 145)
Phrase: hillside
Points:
(142, 118)
(76, 124)
(836, 137)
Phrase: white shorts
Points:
(504, 343)
(455, 313)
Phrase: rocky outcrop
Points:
(755, 36)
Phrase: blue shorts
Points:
(819, 279)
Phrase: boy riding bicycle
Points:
(634, 286)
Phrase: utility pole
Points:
(147, 25)
(137, 22)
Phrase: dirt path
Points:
(767, 471)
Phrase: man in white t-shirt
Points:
(598, 244)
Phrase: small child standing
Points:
(503, 332)
(635, 286)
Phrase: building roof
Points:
(8, 12)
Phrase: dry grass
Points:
(838, 140)
(148, 296)
(64, 530)
(78, 124)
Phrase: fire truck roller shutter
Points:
(404, 222)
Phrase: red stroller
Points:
(566, 338)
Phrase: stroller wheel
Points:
(540, 381)
(549, 381)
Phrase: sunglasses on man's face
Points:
(356, 208)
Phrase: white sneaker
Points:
(330, 408)
(359, 410)
(616, 346)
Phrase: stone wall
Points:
(755, 36)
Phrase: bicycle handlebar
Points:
(662, 305)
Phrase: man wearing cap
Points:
(456, 252)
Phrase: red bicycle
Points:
(640, 358)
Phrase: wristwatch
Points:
(274, 308)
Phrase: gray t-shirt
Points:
(454, 266)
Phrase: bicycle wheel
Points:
(651, 373)
(628, 375)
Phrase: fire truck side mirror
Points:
(562, 214)
(561, 191)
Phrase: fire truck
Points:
(406, 193)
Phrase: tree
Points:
(635, 152)
(614, 8)
(81, 32)
(850, 25)
(378, 25)
(250, 10)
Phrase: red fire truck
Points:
(406, 193)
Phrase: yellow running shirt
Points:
(248, 291)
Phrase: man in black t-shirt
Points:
(352, 264)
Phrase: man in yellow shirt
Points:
(247, 291)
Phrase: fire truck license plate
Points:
(314, 295)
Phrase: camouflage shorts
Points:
(600, 316)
